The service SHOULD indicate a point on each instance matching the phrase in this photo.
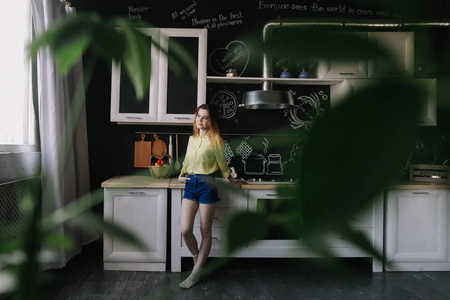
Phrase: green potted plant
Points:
(305, 66)
(284, 64)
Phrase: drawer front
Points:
(341, 241)
(220, 216)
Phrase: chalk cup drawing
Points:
(226, 103)
(306, 112)
(234, 56)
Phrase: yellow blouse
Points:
(205, 156)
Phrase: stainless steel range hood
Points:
(267, 99)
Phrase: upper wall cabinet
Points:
(400, 47)
(125, 107)
(342, 69)
(173, 96)
(179, 95)
(428, 111)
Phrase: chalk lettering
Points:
(273, 6)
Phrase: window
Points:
(16, 113)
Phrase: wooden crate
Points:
(430, 173)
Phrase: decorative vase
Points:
(304, 74)
(285, 74)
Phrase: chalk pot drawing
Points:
(226, 103)
(234, 56)
(274, 165)
(306, 112)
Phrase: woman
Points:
(204, 156)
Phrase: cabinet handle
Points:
(347, 73)
(271, 195)
(136, 193)
(420, 193)
(135, 118)
(215, 238)
(182, 118)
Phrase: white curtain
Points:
(61, 184)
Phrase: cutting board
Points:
(159, 148)
(142, 153)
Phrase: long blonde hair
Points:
(214, 130)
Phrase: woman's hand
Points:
(236, 182)
(183, 178)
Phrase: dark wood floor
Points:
(84, 278)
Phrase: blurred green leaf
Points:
(136, 57)
(68, 38)
(108, 42)
(243, 228)
(354, 153)
(92, 222)
(57, 241)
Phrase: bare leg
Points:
(206, 219)
(188, 210)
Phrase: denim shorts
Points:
(200, 188)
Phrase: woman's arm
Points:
(236, 182)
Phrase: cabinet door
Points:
(125, 107)
(179, 95)
(428, 111)
(416, 228)
(348, 68)
(400, 47)
(144, 213)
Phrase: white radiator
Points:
(11, 194)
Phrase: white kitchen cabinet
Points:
(125, 107)
(144, 213)
(370, 222)
(180, 95)
(344, 69)
(400, 47)
(428, 113)
(417, 230)
(172, 97)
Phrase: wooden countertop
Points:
(147, 182)
(137, 182)
(418, 185)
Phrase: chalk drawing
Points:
(306, 112)
(266, 145)
(274, 165)
(234, 56)
(228, 152)
(295, 153)
(244, 149)
(226, 103)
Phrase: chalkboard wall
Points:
(232, 27)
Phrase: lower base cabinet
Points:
(417, 230)
(276, 246)
(143, 212)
